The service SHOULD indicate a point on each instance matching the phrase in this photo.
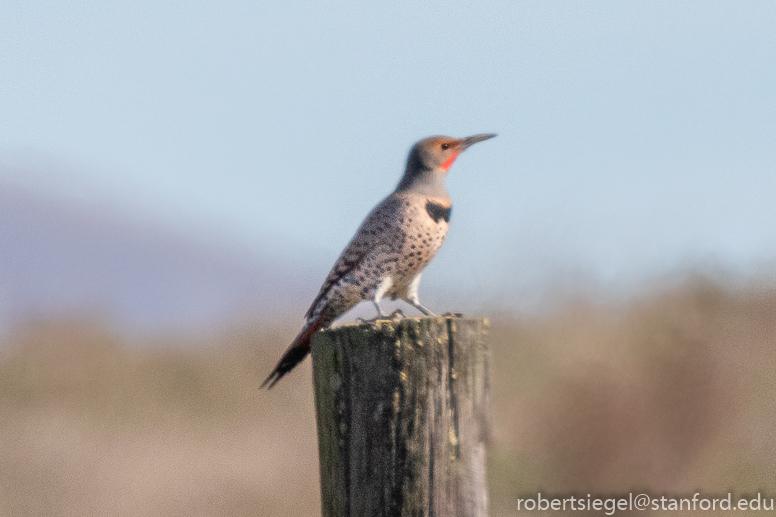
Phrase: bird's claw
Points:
(376, 318)
(397, 315)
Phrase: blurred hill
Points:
(57, 257)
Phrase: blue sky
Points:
(634, 137)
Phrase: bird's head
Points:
(430, 159)
(439, 152)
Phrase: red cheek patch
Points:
(449, 162)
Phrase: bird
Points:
(390, 249)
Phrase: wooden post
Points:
(403, 417)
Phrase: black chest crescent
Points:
(437, 211)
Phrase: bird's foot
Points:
(397, 315)
(421, 308)
(376, 318)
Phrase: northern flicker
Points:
(395, 242)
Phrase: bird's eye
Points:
(445, 147)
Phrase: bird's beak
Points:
(466, 142)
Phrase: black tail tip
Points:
(287, 363)
(272, 379)
(293, 356)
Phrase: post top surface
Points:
(397, 323)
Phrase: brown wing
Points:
(369, 235)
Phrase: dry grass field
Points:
(672, 392)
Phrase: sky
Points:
(635, 138)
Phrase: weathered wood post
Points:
(403, 417)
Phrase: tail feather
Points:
(295, 353)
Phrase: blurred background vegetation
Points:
(670, 392)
